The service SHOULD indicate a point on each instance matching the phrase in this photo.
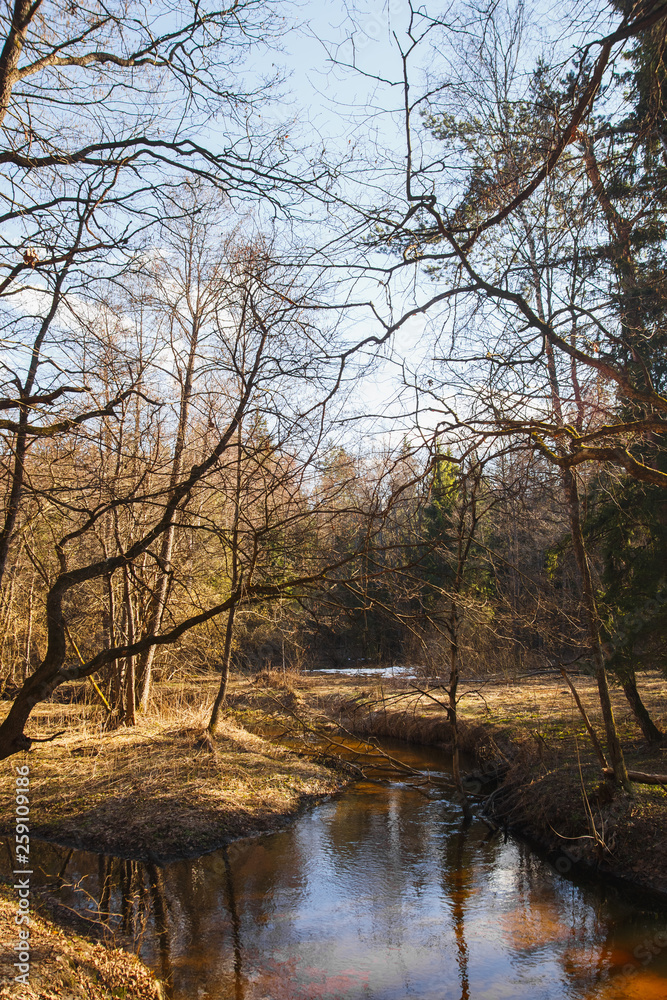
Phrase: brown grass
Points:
(538, 706)
(157, 790)
(67, 965)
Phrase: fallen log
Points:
(640, 777)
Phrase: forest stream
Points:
(380, 893)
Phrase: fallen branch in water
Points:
(380, 760)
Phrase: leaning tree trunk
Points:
(37, 688)
(651, 732)
(12, 738)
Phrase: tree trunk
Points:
(7, 605)
(593, 623)
(587, 722)
(226, 660)
(28, 638)
(116, 669)
(572, 497)
(651, 732)
(130, 667)
(21, 442)
(155, 621)
(159, 602)
(37, 687)
(12, 738)
(453, 715)
(227, 653)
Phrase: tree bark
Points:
(593, 622)
(28, 638)
(37, 687)
(651, 732)
(11, 51)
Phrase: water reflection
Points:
(381, 894)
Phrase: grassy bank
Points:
(161, 789)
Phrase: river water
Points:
(380, 894)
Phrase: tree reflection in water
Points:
(161, 920)
(377, 895)
(457, 885)
(236, 926)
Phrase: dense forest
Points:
(223, 446)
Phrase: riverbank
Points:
(162, 789)
(158, 791)
(534, 760)
(64, 964)
(226, 903)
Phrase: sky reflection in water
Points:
(378, 895)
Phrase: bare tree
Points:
(97, 106)
(499, 164)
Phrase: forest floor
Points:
(162, 789)
(64, 964)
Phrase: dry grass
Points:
(67, 965)
(541, 706)
(158, 790)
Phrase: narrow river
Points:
(379, 894)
